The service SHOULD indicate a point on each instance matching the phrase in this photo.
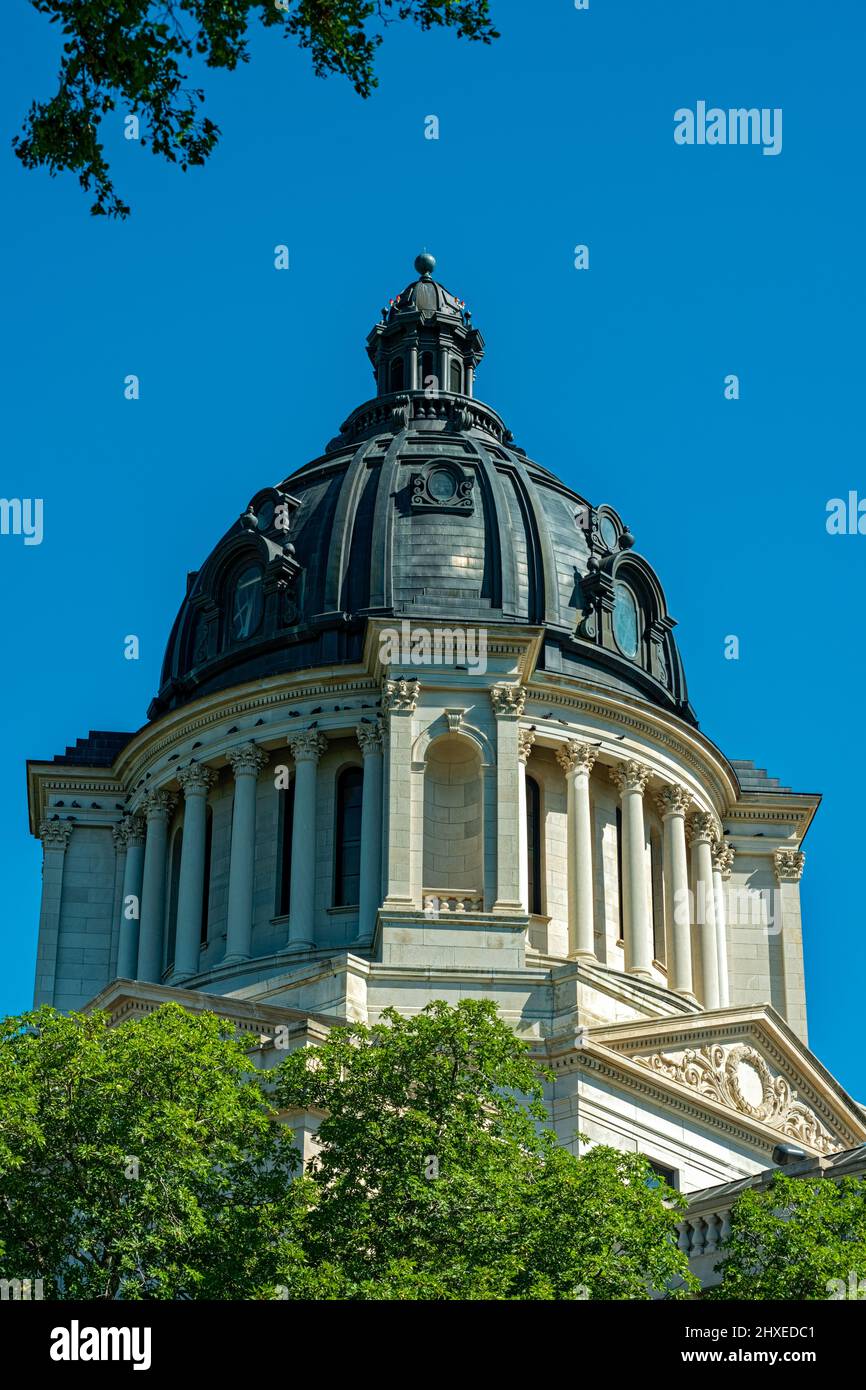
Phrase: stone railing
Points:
(702, 1233)
(440, 902)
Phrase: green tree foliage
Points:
(799, 1238)
(147, 1161)
(135, 55)
(436, 1178)
(141, 1161)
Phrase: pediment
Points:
(745, 1062)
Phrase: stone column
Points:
(246, 764)
(631, 778)
(723, 861)
(673, 802)
(370, 738)
(469, 384)
(133, 831)
(508, 702)
(55, 836)
(577, 760)
(196, 781)
(525, 740)
(158, 809)
(307, 747)
(701, 829)
(788, 865)
(399, 700)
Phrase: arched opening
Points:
(285, 827)
(397, 374)
(245, 605)
(456, 376)
(205, 887)
(426, 368)
(533, 844)
(173, 894)
(453, 862)
(347, 878)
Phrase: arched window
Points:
(621, 935)
(533, 844)
(285, 826)
(456, 376)
(247, 604)
(426, 367)
(205, 887)
(348, 859)
(626, 620)
(173, 893)
(397, 374)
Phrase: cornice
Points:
(659, 727)
(760, 1025)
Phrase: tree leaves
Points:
(794, 1240)
(134, 54)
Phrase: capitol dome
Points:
(317, 824)
(422, 507)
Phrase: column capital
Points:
(576, 757)
(248, 760)
(55, 834)
(525, 740)
(788, 864)
(307, 745)
(723, 858)
(630, 776)
(672, 800)
(400, 696)
(134, 831)
(196, 779)
(700, 826)
(508, 701)
(159, 805)
(118, 835)
(370, 737)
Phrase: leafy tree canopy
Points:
(436, 1178)
(147, 1161)
(799, 1238)
(140, 1161)
(134, 55)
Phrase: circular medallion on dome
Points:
(607, 531)
(441, 485)
(247, 604)
(266, 514)
(625, 620)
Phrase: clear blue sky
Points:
(704, 261)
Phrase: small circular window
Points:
(441, 485)
(625, 620)
(247, 604)
(607, 531)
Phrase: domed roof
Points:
(423, 508)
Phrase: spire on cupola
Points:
(425, 340)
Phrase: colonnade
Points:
(694, 905)
(696, 861)
(145, 836)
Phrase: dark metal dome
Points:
(422, 508)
